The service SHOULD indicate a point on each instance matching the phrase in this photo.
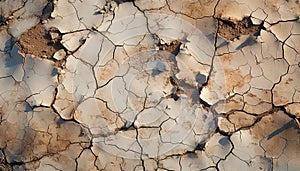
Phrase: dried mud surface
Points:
(149, 85)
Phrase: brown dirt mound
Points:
(37, 41)
(230, 29)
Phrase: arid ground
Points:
(127, 85)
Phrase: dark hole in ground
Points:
(173, 47)
(174, 96)
(123, 1)
(2, 20)
(201, 146)
(48, 9)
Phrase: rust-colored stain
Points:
(288, 80)
(234, 79)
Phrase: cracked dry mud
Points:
(149, 85)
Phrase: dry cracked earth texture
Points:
(149, 85)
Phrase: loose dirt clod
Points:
(37, 41)
(230, 29)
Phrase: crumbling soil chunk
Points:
(37, 41)
(231, 29)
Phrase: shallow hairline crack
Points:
(77, 15)
(125, 150)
